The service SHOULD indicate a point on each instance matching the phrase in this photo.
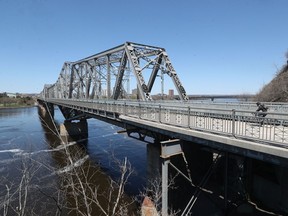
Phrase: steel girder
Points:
(96, 76)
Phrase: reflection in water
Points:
(12, 112)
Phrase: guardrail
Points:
(272, 129)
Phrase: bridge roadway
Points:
(212, 97)
(232, 130)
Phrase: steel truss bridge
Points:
(94, 77)
(94, 87)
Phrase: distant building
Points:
(104, 92)
(171, 93)
(11, 95)
(134, 91)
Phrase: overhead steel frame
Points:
(93, 77)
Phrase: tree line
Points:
(17, 101)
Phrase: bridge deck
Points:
(234, 128)
(229, 141)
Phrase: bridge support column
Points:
(168, 148)
(283, 172)
(165, 163)
(270, 186)
(153, 162)
(74, 130)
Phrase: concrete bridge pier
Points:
(71, 131)
(46, 109)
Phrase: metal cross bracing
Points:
(104, 75)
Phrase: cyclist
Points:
(261, 111)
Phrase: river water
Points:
(29, 147)
(34, 167)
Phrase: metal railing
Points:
(272, 129)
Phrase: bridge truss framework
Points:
(105, 74)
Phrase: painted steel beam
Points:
(145, 95)
(154, 73)
(118, 84)
(172, 73)
(170, 148)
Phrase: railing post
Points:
(106, 108)
(189, 112)
(114, 109)
(139, 111)
(124, 107)
(233, 122)
(160, 113)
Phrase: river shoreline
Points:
(15, 107)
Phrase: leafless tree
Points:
(154, 192)
(79, 191)
(16, 198)
(85, 195)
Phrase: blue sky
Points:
(216, 46)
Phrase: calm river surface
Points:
(25, 144)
